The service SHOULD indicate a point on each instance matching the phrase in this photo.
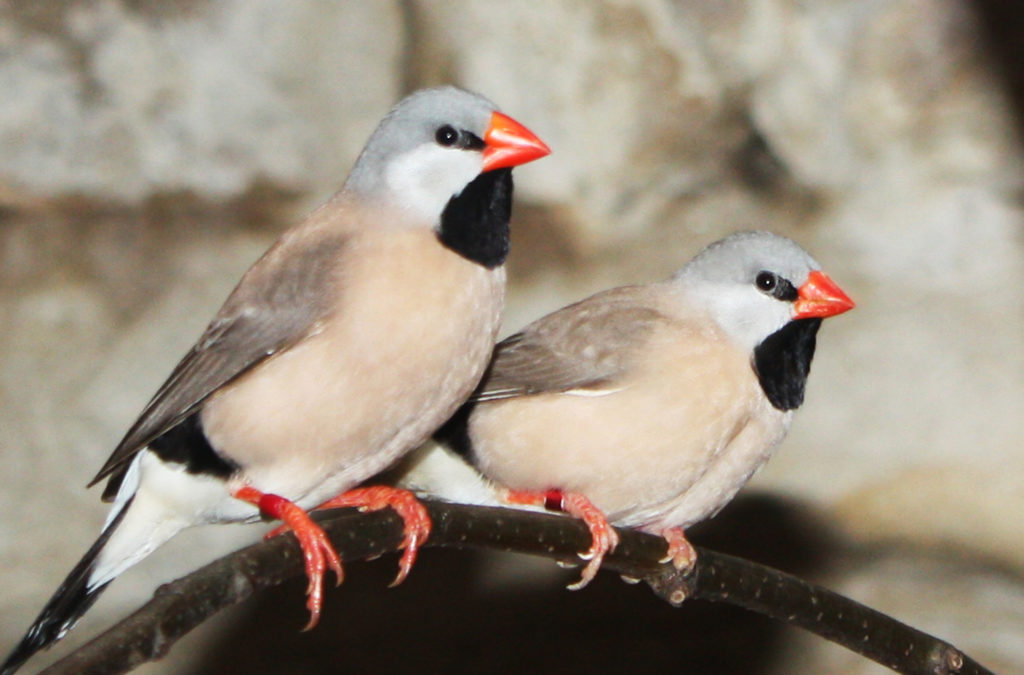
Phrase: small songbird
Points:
(647, 406)
(344, 346)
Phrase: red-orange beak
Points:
(820, 297)
(510, 144)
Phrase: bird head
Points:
(755, 283)
(433, 144)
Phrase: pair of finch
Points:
(366, 326)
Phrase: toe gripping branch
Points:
(413, 514)
(680, 551)
(316, 547)
(603, 536)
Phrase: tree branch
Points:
(180, 606)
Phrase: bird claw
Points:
(604, 538)
(406, 505)
(681, 552)
(317, 550)
(590, 569)
(319, 555)
(414, 535)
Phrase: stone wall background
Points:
(149, 151)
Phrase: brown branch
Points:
(180, 606)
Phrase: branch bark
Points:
(180, 606)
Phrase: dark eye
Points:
(778, 287)
(446, 136)
(766, 281)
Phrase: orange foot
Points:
(405, 503)
(316, 547)
(603, 535)
(680, 551)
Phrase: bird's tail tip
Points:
(72, 599)
(58, 617)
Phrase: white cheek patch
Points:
(424, 179)
(745, 314)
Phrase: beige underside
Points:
(673, 441)
(413, 330)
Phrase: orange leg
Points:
(603, 535)
(405, 503)
(680, 551)
(316, 547)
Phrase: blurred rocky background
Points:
(150, 150)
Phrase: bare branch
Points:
(180, 606)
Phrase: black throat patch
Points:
(474, 223)
(783, 361)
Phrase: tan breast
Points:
(411, 335)
(691, 412)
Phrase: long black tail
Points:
(66, 607)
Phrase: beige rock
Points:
(120, 103)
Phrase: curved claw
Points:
(680, 551)
(417, 529)
(413, 514)
(604, 538)
(318, 553)
(316, 547)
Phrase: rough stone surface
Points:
(120, 100)
(150, 150)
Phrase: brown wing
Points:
(583, 346)
(275, 305)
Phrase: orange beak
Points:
(510, 144)
(820, 297)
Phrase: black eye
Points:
(766, 281)
(778, 287)
(446, 136)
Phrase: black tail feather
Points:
(66, 607)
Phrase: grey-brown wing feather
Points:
(276, 304)
(587, 345)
